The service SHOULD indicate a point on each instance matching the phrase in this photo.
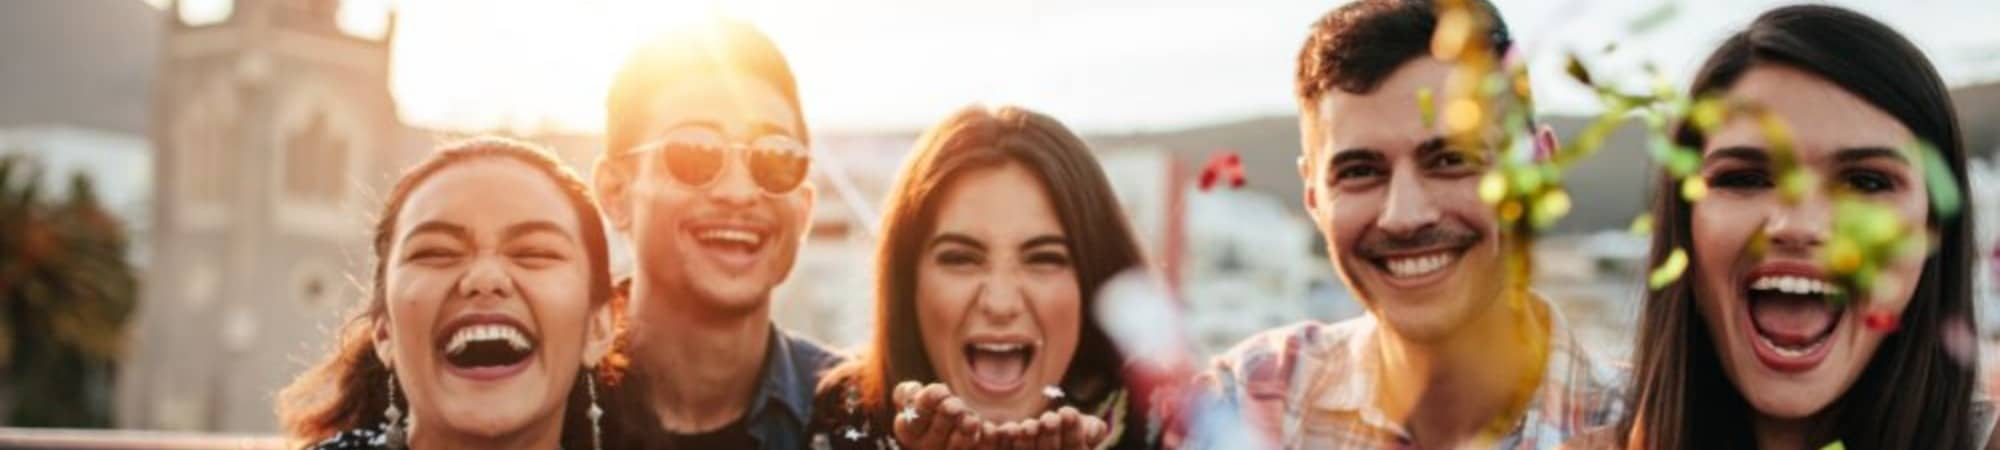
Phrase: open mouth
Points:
(487, 348)
(1418, 264)
(734, 244)
(999, 367)
(1792, 317)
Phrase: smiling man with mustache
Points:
(1443, 359)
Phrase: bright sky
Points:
(1099, 65)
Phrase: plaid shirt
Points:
(1312, 386)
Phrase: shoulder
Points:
(355, 439)
(810, 355)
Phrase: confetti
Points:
(1052, 392)
(1881, 321)
(1223, 165)
(1642, 225)
(908, 415)
(1693, 189)
(1576, 71)
(1938, 179)
(1142, 320)
(1669, 270)
(1427, 107)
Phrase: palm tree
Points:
(66, 295)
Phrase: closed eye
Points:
(433, 256)
(958, 258)
(1048, 259)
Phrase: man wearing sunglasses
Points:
(704, 172)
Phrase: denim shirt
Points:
(782, 405)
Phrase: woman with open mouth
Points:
(999, 230)
(1769, 339)
(488, 314)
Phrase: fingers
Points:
(1072, 429)
(945, 422)
(968, 433)
(1095, 431)
(1007, 436)
(1049, 433)
(918, 420)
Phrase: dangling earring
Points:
(394, 431)
(594, 413)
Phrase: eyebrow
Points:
(1365, 154)
(431, 226)
(1747, 154)
(535, 226)
(955, 238)
(1845, 155)
(1857, 154)
(1046, 239)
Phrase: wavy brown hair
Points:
(347, 389)
(973, 138)
(1911, 394)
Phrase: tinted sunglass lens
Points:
(694, 164)
(779, 171)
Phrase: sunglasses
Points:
(697, 156)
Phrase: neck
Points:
(1464, 387)
(538, 436)
(1774, 433)
(702, 368)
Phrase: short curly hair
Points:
(1354, 47)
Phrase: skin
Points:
(997, 265)
(1376, 175)
(692, 306)
(1830, 127)
(461, 250)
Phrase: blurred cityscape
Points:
(246, 158)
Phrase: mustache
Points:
(1448, 235)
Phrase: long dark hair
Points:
(1911, 394)
(1101, 244)
(348, 388)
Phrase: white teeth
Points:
(487, 332)
(1789, 352)
(731, 235)
(999, 348)
(1795, 285)
(1409, 267)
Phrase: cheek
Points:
(1058, 303)
(1459, 198)
(941, 303)
(1349, 217)
(560, 299)
(413, 297)
(1721, 231)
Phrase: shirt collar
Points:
(1349, 387)
(783, 381)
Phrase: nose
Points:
(1000, 298)
(735, 186)
(486, 278)
(1800, 228)
(1408, 208)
